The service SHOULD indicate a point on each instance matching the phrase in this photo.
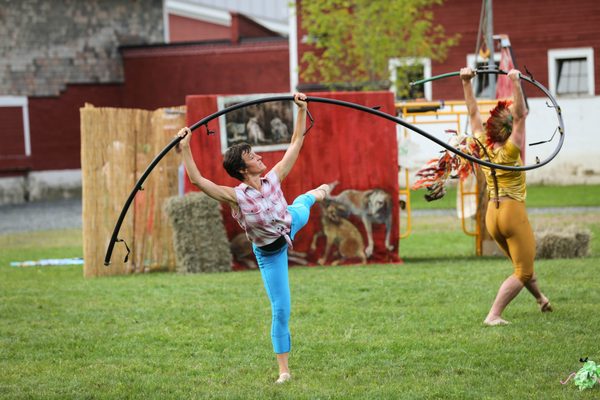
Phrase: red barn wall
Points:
(533, 28)
(162, 76)
(11, 120)
(55, 126)
(182, 29)
(334, 150)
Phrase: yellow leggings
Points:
(509, 226)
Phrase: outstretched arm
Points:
(224, 194)
(518, 109)
(283, 167)
(466, 74)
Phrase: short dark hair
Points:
(233, 161)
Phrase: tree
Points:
(353, 40)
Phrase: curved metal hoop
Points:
(207, 119)
(529, 79)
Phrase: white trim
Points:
(484, 92)
(278, 27)
(401, 61)
(208, 14)
(293, 46)
(471, 59)
(560, 54)
(13, 101)
(166, 26)
(20, 101)
(218, 16)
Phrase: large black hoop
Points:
(373, 111)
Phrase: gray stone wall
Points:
(45, 44)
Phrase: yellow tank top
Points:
(510, 183)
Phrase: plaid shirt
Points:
(263, 214)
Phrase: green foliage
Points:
(587, 376)
(353, 40)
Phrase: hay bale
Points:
(567, 243)
(199, 237)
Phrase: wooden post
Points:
(486, 246)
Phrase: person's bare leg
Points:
(321, 192)
(284, 371)
(509, 289)
(542, 300)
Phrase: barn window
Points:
(481, 82)
(571, 71)
(406, 70)
(14, 119)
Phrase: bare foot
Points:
(495, 321)
(545, 305)
(283, 377)
(322, 192)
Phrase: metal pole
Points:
(489, 38)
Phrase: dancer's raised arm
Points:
(283, 167)
(224, 194)
(518, 109)
(466, 74)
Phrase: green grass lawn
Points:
(410, 331)
(537, 196)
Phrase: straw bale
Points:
(571, 242)
(199, 236)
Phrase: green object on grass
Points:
(587, 376)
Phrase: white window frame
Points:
(20, 101)
(471, 63)
(403, 61)
(471, 59)
(559, 54)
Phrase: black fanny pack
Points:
(276, 245)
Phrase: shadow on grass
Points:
(430, 259)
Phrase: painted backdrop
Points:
(355, 151)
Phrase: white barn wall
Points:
(579, 159)
(577, 163)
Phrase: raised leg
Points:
(321, 192)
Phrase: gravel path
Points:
(43, 215)
(64, 214)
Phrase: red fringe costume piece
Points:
(434, 175)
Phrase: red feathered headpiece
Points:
(499, 125)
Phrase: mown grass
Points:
(410, 331)
(537, 196)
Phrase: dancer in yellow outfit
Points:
(506, 217)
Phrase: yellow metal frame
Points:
(450, 113)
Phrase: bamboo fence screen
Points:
(116, 147)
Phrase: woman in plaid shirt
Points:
(270, 223)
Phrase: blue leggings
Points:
(274, 270)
